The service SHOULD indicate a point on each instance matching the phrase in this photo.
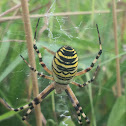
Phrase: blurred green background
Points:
(99, 100)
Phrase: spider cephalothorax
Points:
(64, 68)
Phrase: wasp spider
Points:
(64, 68)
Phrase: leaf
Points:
(12, 66)
(4, 48)
(7, 115)
(118, 114)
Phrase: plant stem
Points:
(28, 32)
(116, 49)
(91, 99)
(93, 11)
(2, 19)
(52, 8)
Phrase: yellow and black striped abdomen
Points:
(64, 65)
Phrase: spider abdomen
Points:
(64, 65)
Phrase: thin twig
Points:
(8, 25)
(123, 25)
(31, 56)
(116, 49)
(43, 119)
(27, 123)
(13, 40)
(60, 14)
(36, 9)
(10, 10)
(46, 23)
(44, 27)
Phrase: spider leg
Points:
(89, 81)
(95, 60)
(17, 109)
(37, 51)
(39, 99)
(38, 73)
(50, 51)
(33, 103)
(76, 105)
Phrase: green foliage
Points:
(118, 114)
(99, 100)
(68, 121)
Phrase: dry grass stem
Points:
(13, 40)
(8, 25)
(123, 25)
(29, 40)
(60, 14)
(10, 10)
(39, 7)
(116, 50)
(43, 119)
(44, 27)
(27, 124)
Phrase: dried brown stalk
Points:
(123, 25)
(60, 14)
(43, 119)
(116, 50)
(36, 9)
(29, 40)
(10, 10)
(8, 25)
(13, 40)
(45, 23)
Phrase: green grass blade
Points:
(118, 114)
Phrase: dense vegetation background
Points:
(100, 100)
